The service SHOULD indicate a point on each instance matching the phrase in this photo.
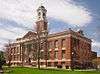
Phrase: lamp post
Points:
(72, 61)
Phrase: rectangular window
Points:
(29, 47)
(14, 50)
(49, 64)
(49, 55)
(63, 54)
(75, 42)
(14, 57)
(42, 54)
(55, 64)
(56, 54)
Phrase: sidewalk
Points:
(1, 71)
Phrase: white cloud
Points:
(69, 13)
(5, 36)
(24, 13)
(96, 47)
(9, 35)
(96, 44)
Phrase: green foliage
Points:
(22, 70)
(2, 59)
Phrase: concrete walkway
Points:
(1, 71)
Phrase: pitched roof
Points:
(29, 34)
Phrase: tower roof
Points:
(41, 8)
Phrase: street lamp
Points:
(73, 54)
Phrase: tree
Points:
(42, 44)
(38, 49)
(22, 47)
(2, 59)
(8, 53)
(96, 62)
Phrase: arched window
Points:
(63, 43)
(50, 44)
(56, 44)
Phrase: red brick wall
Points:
(68, 51)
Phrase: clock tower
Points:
(42, 32)
(41, 20)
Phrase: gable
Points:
(29, 34)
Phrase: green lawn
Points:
(20, 70)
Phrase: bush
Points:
(2, 59)
(59, 66)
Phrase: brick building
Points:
(67, 49)
(98, 62)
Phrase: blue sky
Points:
(17, 17)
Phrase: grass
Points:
(20, 70)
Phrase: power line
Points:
(5, 38)
(18, 26)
